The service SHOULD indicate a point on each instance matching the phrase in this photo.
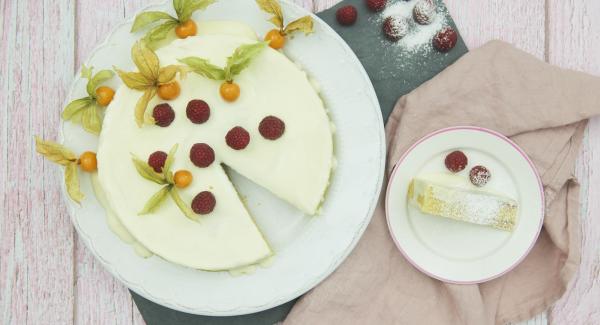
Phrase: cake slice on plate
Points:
(449, 196)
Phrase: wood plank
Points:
(100, 299)
(574, 42)
(521, 23)
(36, 239)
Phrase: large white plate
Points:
(308, 249)
(454, 251)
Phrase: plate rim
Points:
(138, 288)
(476, 129)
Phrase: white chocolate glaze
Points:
(113, 222)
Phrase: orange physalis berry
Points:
(182, 178)
(230, 91)
(275, 38)
(185, 29)
(104, 95)
(169, 90)
(87, 161)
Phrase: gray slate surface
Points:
(391, 77)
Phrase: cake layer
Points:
(296, 167)
(448, 196)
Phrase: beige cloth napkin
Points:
(543, 109)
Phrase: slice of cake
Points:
(296, 166)
(450, 197)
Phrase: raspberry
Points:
(480, 176)
(376, 5)
(346, 15)
(424, 12)
(157, 160)
(163, 115)
(204, 203)
(202, 155)
(198, 111)
(456, 161)
(237, 138)
(395, 27)
(445, 40)
(271, 128)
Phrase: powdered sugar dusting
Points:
(419, 37)
(476, 207)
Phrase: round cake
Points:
(295, 166)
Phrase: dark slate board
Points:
(393, 71)
(391, 76)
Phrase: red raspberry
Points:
(237, 138)
(202, 155)
(163, 115)
(198, 111)
(445, 40)
(157, 160)
(480, 176)
(456, 161)
(395, 27)
(271, 128)
(346, 15)
(204, 203)
(376, 5)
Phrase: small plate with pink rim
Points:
(454, 251)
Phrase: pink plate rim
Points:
(471, 128)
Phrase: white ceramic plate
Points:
(307, 249)
(454, 251)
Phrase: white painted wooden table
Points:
(46, 274)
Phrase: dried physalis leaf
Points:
(159, 33)
(86, 72)
(241, 58)
(183, 9)
(86, 111)
(91, 119)
(304, 24)
(149, 17)
(236, 63)
(145, 60)
(65, 157)
(75, 108)
(187, 211)
(141, 106)
(72, 183)
(148, 172)
(170, 159)
(168, 73)
(164, 178)
(95, 81)
(274, 8)
(204, 67)
(55, 152)
(277, 37)
(155, 201)
(149, 78)
(134, 80)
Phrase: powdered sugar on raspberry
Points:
(419, 37)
